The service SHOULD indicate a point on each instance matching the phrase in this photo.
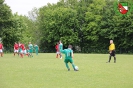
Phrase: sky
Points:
(22, 7)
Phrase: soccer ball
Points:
(76, 68)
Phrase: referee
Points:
(112, 51)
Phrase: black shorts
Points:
(112, 53)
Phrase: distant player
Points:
(19, 48)
(112, 51)
(68, 57)
(22, 50)
(27, 52)
(16, 47)
(1, 49)
(60, 48)
(36, 49)
(30, 49)
(57, 50)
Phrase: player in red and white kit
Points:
(16, 47)
(57, 50)
(22, 50)
(1, 49)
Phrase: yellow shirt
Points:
(112, 47)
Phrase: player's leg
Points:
(60, 56)
(21, 53)
(36, 52)
(17, 52)
(71, 61)
(1, 52)
(25, 52)
(113, 54)
(57, 53)
(114, 59)
(67, 66)
(14, 52)
(66, 63)
(110, 58)
(30, 52)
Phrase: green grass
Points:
(45, 71)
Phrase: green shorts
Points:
(19, 50)
(68, 60)
(30, 51)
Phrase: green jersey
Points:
(36, 47)
(68, 53)
(30, 48)
(27, 51)
(60, 46)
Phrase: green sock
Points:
(36, 52)
(73, 65)
(67, 66)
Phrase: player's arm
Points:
(72, 55)
(62, 51)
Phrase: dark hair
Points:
(70, 46)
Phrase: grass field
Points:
(45, 71)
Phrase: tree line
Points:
(86, 24)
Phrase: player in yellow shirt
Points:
(112, 51)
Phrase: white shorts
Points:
(15, 51)
(1, 50)
(57, 52)
(21, 51)
(24, 51)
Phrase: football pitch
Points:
(45, 71)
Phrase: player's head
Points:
(29, 42)
(111, 41)
(70, 46)
(60, 41)
(57, 43)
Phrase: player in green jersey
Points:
(68, 57)
(30, 49)
(36, 49)
(60, 48)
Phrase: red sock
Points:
(1, 54)
(21, 55)
(57, 56)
